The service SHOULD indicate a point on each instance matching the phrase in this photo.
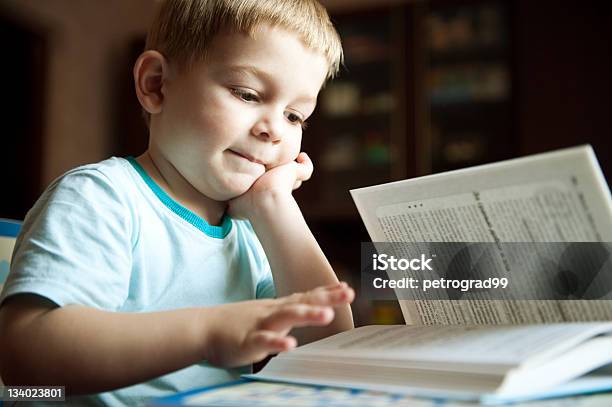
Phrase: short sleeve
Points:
(258, 262)
(75, 244)
(265, 285)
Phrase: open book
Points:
(494, 350)
(561, 196)
(489, 364)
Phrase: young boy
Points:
(135, 278)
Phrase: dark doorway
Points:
(23, 75)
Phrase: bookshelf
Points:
(469, 83)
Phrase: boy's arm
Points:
(297, 262)
(90, 351)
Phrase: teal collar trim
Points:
(218, 232)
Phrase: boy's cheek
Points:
(285, 159)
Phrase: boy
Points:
(140, 270)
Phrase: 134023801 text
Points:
(34, 393)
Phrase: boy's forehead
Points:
(264, 42)
(270, 54)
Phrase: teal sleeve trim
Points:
(218, 232)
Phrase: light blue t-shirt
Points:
(106, 236)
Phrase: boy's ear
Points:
(150, 72)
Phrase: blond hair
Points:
(183, 29)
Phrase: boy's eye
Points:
(295, 119)
(245, 95)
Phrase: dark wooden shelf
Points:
(479, 55)
(469, 104)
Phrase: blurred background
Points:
(428, 86)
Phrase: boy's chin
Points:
(236, 190)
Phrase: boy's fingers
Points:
(266, 342)
(335, 285)
(297, 315)
(305, 167)
(303, 158)
(329, 295)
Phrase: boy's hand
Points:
(246, 332)
(275, 182)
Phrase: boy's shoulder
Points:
(111, 167)
(113, 170)
(112, 176)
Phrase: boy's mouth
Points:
(248, 157)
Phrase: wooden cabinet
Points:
(469, 84)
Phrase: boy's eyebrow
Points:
(254, 71)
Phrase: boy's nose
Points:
(267, 130)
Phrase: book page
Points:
(553, 197)
(463, 362)
(506, 345)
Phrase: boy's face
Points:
(240, 112)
